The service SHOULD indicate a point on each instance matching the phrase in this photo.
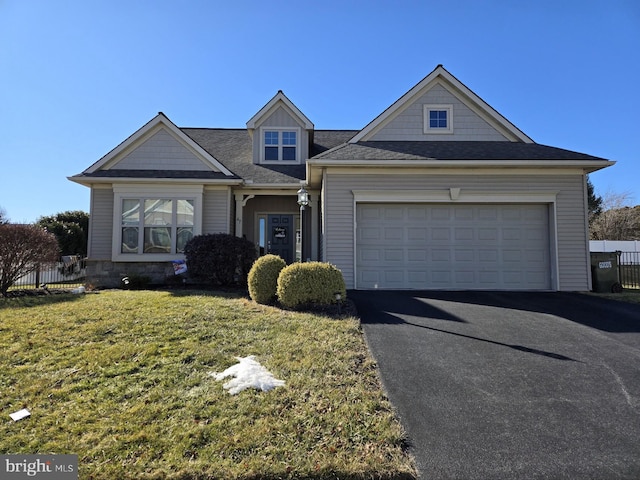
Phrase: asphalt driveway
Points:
(497, 385)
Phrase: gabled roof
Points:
(484, 151)
(280, 99)
(441, 76)
(234, 148)
(450, 154)
(160, 121)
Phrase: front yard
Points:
(123, 380)
(627, 295)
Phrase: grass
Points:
(631, 296)
(121, 379)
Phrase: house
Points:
(439, 191)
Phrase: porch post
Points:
(239, 207)
(315, 212)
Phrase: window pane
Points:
(262, 239)
(158, 212)
(271, 153)
(288, 153)
(129, 240)
(437, 119)
(130, 211)
(185, 212)
(184, 235)
(271, 138)
(288, 138)
(157, 240)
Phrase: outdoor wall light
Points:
(303, 197)
(303, 201)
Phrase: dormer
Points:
(281, 133)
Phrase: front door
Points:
(280, 236)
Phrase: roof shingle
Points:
(451, 150)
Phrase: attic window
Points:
(280, 145)
(438, 119)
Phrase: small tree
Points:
(3, 216)
(70, 228)
(594, 201)
(23, 248)
(618, 221)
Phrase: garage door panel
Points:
(490, 278)
(369, 255)
(487, 213)
(463, 214)
(487, 234)
(418, 234)
(440, 255)
(464, 255)
(440, 213)
(369, 234)
(464, 234)
(440, 234)
(370, 277)
(488, 256)
(393, 213)
(440, 278)
(393, 234)
(423, 246)
(417, 255)
(394, 255)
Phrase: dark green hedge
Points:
(219, 259)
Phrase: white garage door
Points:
(463, 247)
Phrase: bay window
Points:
(154, 225)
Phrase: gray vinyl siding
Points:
(280, 118)
(409, 124)
(215, 211)
(101, 224)
(338, 239)
(161, 152)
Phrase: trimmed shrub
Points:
(310, 283)
(219, 259)
(263, 278)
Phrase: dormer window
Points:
(438, 119)
(280, 145)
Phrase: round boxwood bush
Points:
(310, 283)
(263, 278)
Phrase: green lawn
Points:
(631, 296)
(121, 379)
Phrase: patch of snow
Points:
(248, 373)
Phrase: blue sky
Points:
(79, 77)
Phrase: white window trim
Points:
(425, 116)
(142, 192)
(280, 145)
